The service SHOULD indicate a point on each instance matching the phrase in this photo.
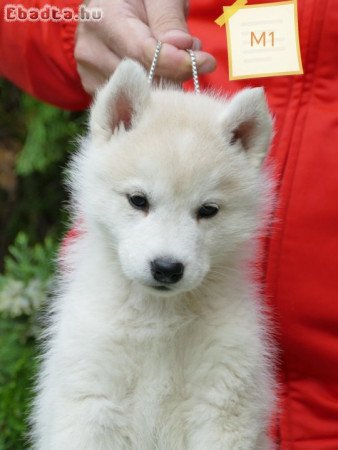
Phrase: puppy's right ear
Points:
(120, 102)
(248, 122)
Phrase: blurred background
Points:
(36, 141)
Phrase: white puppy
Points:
(157, 338)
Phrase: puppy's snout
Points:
(166, 270)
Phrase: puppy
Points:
(157, 337)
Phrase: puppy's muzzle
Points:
(166, 270)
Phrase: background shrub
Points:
(35, 142)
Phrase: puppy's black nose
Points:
(166, 270)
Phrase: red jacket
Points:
(301, 263)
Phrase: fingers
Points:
(130, 28)
(177, 38)
(95, 61)
(167, 21)
(197, 44)
(168, 16)
(174, 63)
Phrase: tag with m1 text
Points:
(263, 39)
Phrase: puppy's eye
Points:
(207, 211)
(138, 201)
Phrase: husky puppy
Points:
(157, 338)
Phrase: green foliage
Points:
(24, 262)
(44, 138)
(17, 366)
(23, 292)
(32, 222)
(25, 283)
(48, 129)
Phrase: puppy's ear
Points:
(249, 124)
(120, 102)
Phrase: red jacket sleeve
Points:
(39, 56)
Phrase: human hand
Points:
(130, 28)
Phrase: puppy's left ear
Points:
(120, 102)
(248, 124)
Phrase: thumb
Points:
(167, 21)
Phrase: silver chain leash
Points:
(194, 71)
(193, 67)
(154, 62)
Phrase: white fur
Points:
(130, 367)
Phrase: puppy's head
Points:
(171, 178)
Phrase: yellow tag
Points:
(263, 39)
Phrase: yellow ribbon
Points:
(229, 11)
